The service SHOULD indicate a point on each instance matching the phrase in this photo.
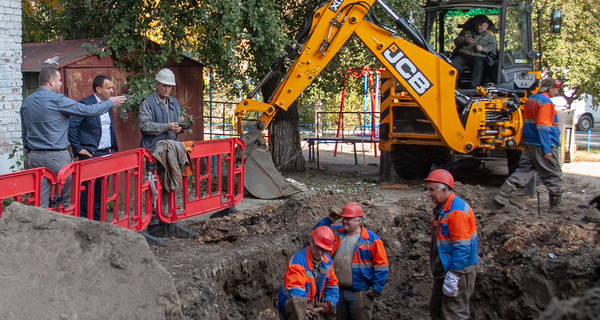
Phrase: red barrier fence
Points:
(135, 213)
(24, 186)
(217, 183)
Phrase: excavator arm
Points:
(327, 31)
(427, 77)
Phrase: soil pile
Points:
(54, 266)
(234, 269)
(586, 307)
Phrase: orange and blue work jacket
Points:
(456, 232)
(299, 280)
(370, 268)
(540, 123)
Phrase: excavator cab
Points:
(415, 143)
(511, 25)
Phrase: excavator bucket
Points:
(262, 179)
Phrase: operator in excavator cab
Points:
(474, 48)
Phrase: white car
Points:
(586, 114)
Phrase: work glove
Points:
(325, 306)
(334, 214)
(372, 293)
(450, 287)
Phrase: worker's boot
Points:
(505, 191)
(555, 201)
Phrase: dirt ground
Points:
(527, 256)
(54, 266)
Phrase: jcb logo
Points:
(407, 69)
(335, 5)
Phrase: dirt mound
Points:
(54, 266)
(586, 307)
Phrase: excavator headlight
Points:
(511, 144)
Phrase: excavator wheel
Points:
(414, 161)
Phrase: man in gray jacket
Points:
(472, 47)
(159, 120)
(159, 112)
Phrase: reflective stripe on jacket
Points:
(456, 234)
(540, 119)
(370, 266)
(299, 280)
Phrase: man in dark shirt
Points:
(93, 137)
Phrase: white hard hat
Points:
(166, 76)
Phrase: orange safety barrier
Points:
(132, 207)
(217, 182)
(26, 183)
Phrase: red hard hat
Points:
(441, 176)
(352, 210)
(323, 237)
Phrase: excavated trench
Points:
(233, 271)
(529, 261)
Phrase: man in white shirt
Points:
(93, 137)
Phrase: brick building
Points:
(10, 80)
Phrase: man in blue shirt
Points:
(44, 125)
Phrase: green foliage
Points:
(6, 202)
(573, 55)
(238, 39)
(41, 20)
(17, 153)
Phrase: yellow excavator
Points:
(424, 111)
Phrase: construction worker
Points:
(159, 112)
(541, 137)
(453, 255)
(360, 262)
(159, 120)
(310, 287)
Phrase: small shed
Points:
(78, 68)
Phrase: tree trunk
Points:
(285, 142)
(284, 136)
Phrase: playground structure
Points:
(370, 115)
(351, 127)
